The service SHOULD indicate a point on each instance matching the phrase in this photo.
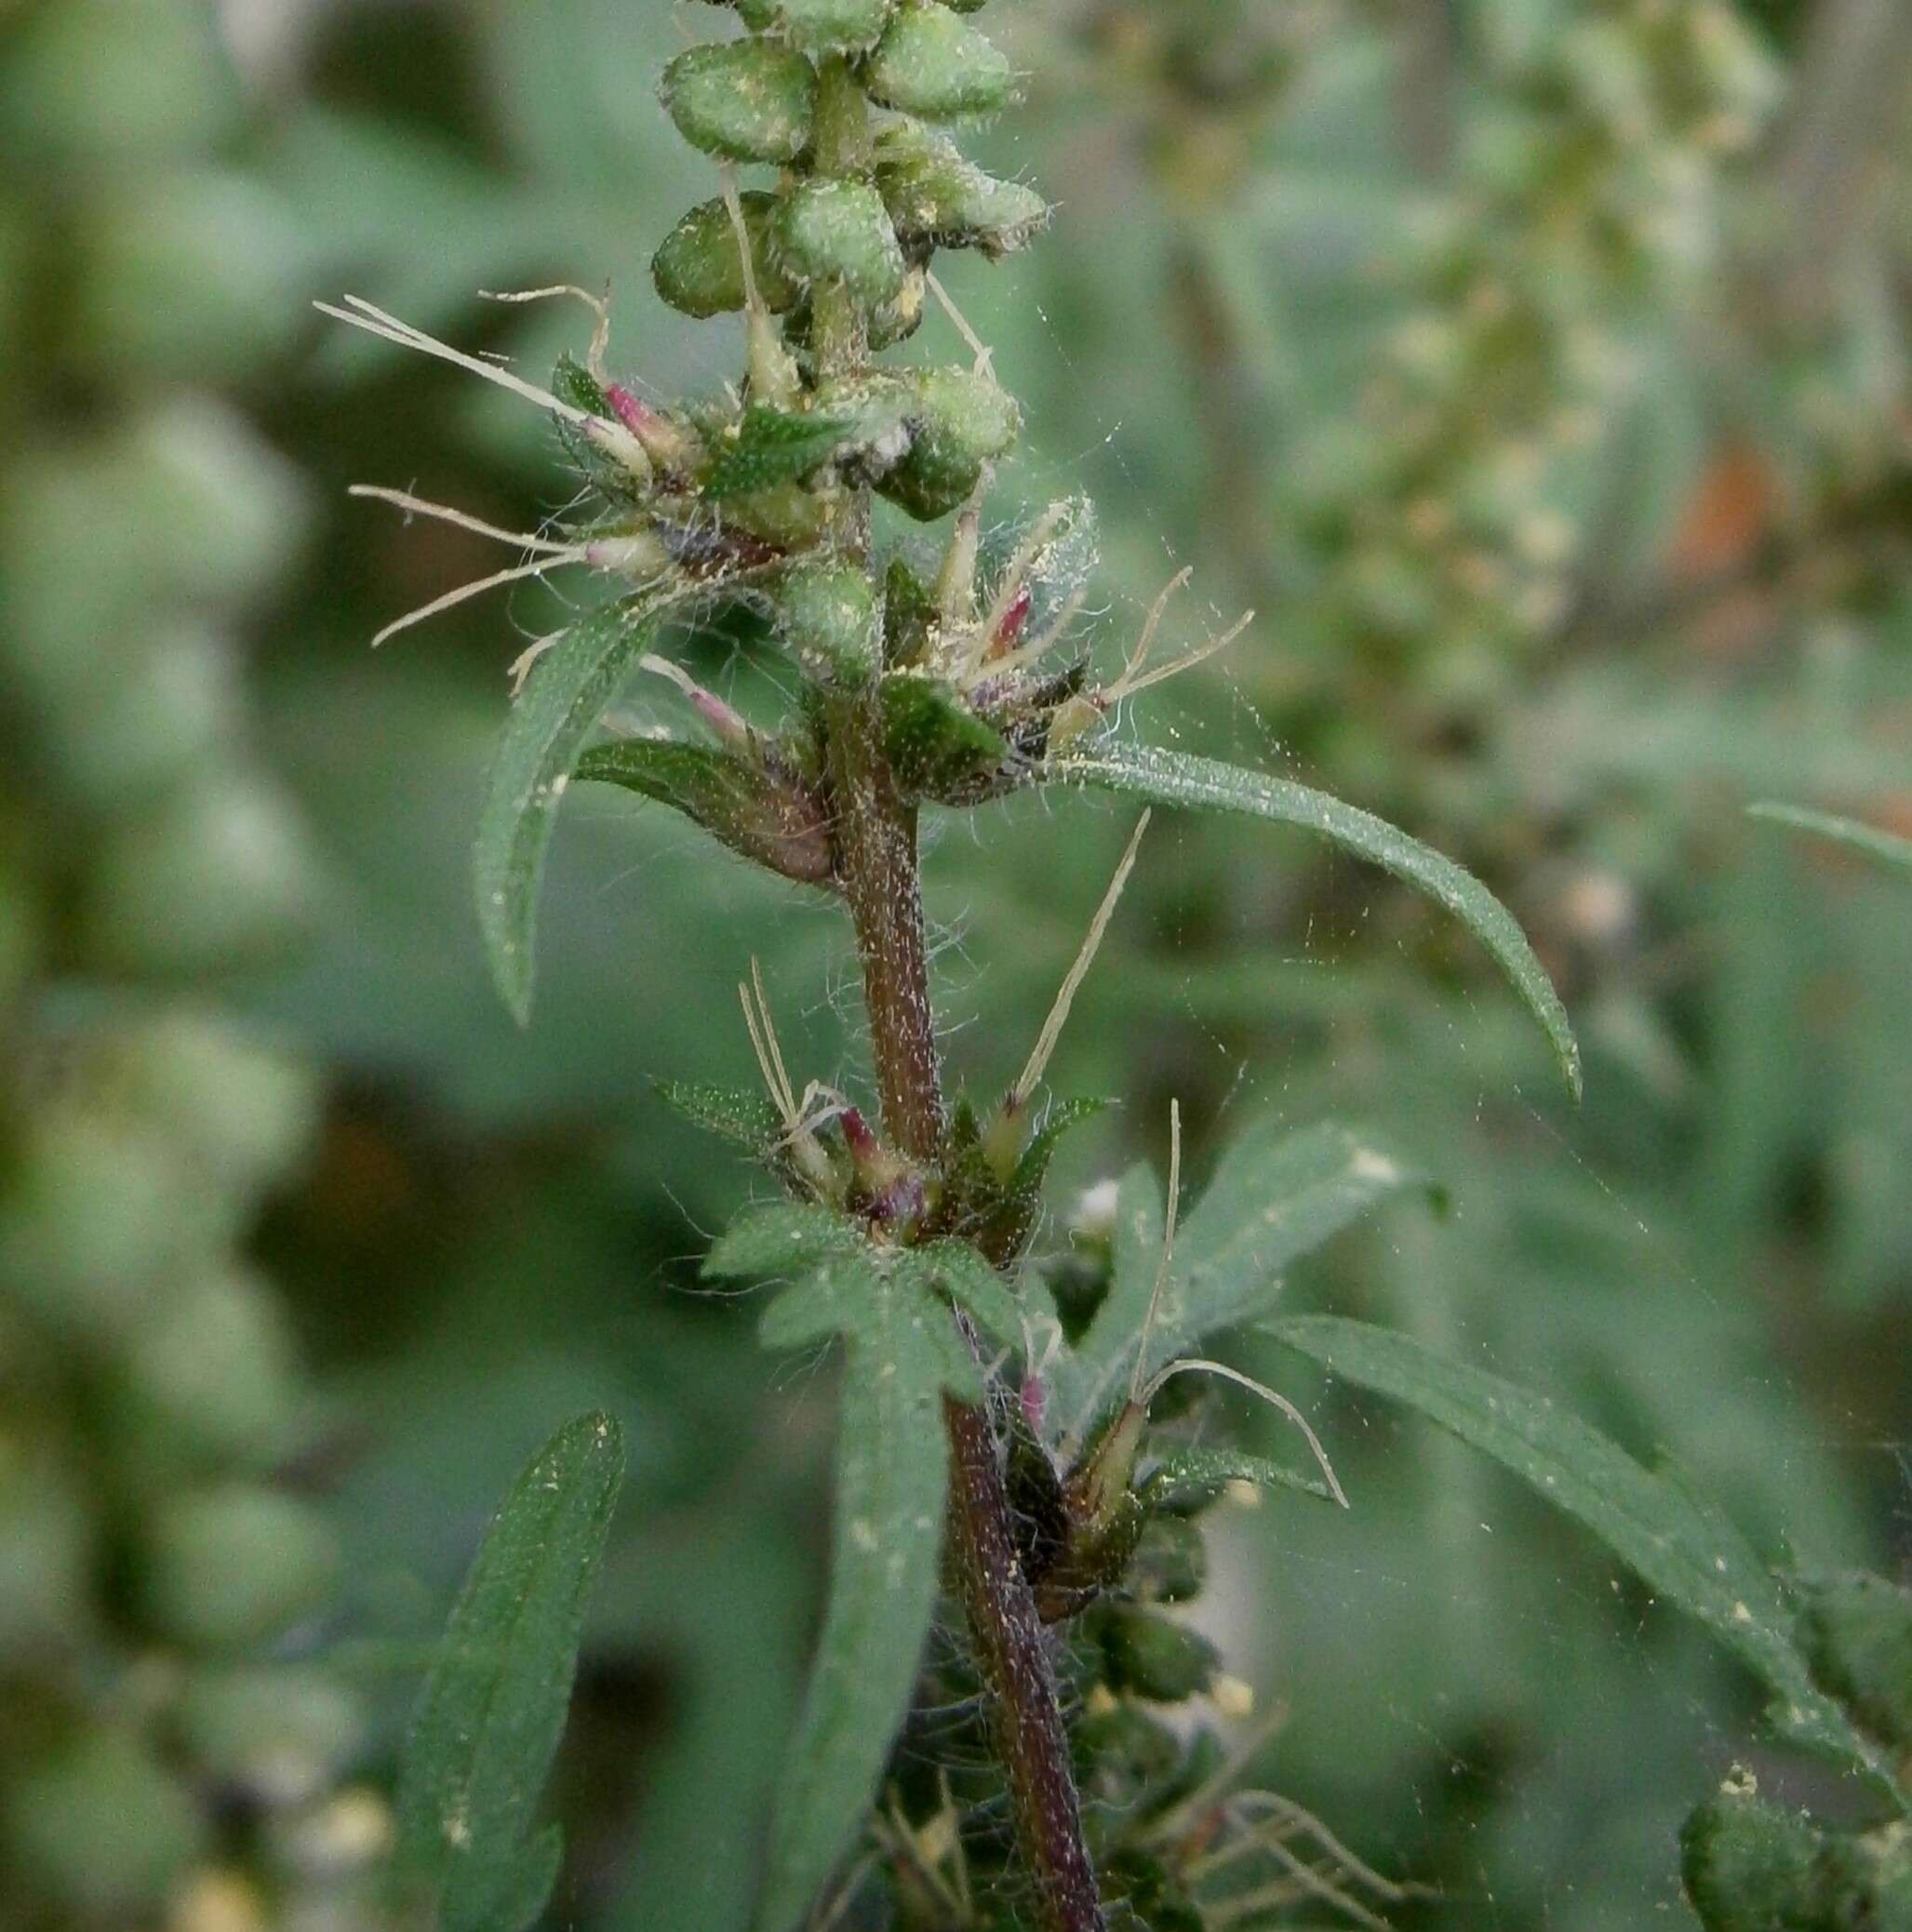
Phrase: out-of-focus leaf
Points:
(902, 1350)
(1868, 839)
(563, 699)
(1277, 1195)
(493, 1706)
(1681, 1546)
(1173, 778)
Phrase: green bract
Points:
(939, 199)
(961, 421)
(747, 99)
(827, 613)
(820, 24)
(699, 269)
(932, 63)
(841, 230)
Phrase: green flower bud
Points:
(1172, 1561)
(1121, 1739)
(219, 876)
(841, 230)
(231, 1566)
(1856, 1633)
(209, 1380)
(1748, 1866)
(101, 1828)
(744, 101)
(937, 746)
(939, 199)
(784, 514)
(898, 319)
(834, 26)
(1866, 1881)
(930, 63)
(280, 1732)
(826, 613)
(961, 421)
(1154, 1657)
(699, 270)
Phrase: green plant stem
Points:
(876, 849)
(875, 834)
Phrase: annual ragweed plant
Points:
(1014, 1430)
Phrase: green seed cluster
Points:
(158, 1768)
(1588, 198)
(1749, 1864)
(764, 496)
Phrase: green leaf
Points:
(747, 1118)
(957, 1270)
(783, 1238)
(563, 699)
(937, 745)
(526, 1887)
(1864, 838)
(1173, 778)
(1193, 1477)
(1277, 1195)
(1032, 1170)
(1682, 1547)
(572, 382)
(763, 817)
(493, 1707)
(774, 445)
(902, 1350)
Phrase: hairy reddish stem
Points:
(876, 835)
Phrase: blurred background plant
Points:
(1537, 367)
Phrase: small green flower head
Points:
(1153, 1657)
(826, 611)
(821, 26)
(1748, 1865)
(744, 101)
(932, 65)
(962, 420)
(938, 199)
(699, 269)
(841, 230)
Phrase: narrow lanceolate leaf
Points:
(563, 699)
(1277, 1195)
(493, 1706)
(1172, 778)
(1864, 838)
(1682, 1547)
(1193, 1477)
(902, 1350)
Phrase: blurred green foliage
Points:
(1537, 367)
